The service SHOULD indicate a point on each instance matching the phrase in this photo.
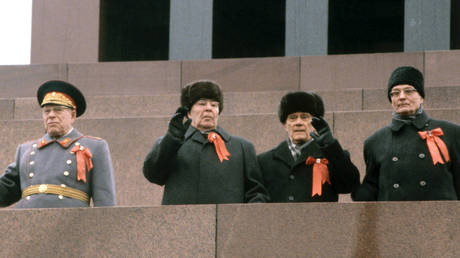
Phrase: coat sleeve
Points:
(103, 185)
(456, 162)
(254, 187)
(157, 164)
(368, 190)
(10, 186)
(344, 174)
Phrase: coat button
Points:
(34, 145)
(28, 197)
(31, 174)
(291, 177)
(69, 162)
(32, 153)
(291, 198)
(395, 159)
(422, 183)
(42, 188)
(66, 173)
(395, 186)
(421, 155)
(32, 162)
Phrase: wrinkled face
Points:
(405, 99)
(204, 114)
(58, 119)
(298, 126)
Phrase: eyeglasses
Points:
(397, 93)
(56, 109)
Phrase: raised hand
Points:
(177, 127)
(323, 135)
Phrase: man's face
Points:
(58, 119)
(204, 114)
(405, 99)
(298, 126)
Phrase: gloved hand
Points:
(323, 135)
(177, 127)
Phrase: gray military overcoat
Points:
(50, 161)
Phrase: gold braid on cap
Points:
(58, 98)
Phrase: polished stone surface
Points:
(353, 71)
(173, 231)
(245, 74)
(24, 80)
(126, 78)
(427, 25)
(65, 32)
(442, 68)
(6, 109)
(398, 229)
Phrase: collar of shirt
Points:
(419, 120)
(296, 149)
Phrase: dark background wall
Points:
(244, 28)
(134, 30)
(372, 26)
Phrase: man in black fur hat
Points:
(310, 166)
(197, 161)
(415, 157)
(64, 168)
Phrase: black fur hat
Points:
(62, 87)
(195, 91)
(300, 101)
(406, 75)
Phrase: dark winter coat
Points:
(399, 166)
(287, 180)
(192, 173)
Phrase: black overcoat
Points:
(192, 173)
(399, 166)
(287, 180)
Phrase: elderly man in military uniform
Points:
(416, 157)
(64, 168)
(197, 161)
(310, 166)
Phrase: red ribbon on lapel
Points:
(435, 144)
(219, 145)
(320, 174)
(83, 156)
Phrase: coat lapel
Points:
(197, 136)
(64, 141)
(283, 153)
(311, 149)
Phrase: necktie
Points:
(219, 145)
(320, 174)
(435, 144)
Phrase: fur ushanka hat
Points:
(195, 91)
(300, 101)
(406, 75)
